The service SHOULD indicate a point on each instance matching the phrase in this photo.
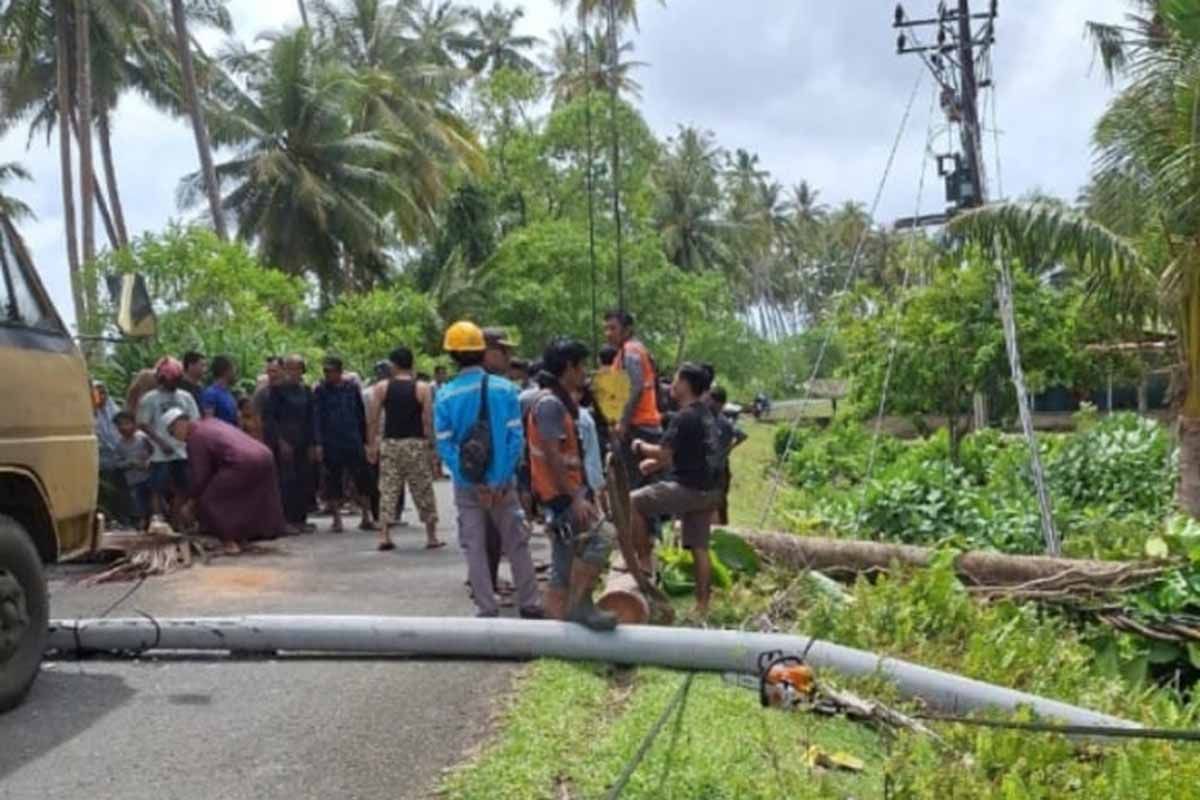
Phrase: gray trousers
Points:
(509, 520)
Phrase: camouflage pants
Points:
(406, 461)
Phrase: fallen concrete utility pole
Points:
(982, 572)
(676, 648)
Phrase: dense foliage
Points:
(1122, 467)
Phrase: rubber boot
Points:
(581, 610)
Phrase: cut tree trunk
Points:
(1029, 576)
(622, 596)
(183, 44)
(62, 11)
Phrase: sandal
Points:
(434, 545)
(386, 546)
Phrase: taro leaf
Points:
(1156, 547)
(734, 552)
(1165, 652)
(677, 581)
(1193, 649)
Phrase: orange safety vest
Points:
(645, 413)
(545, 487)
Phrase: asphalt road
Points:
(221, 729)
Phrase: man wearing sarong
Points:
(289, 429)
(234, 491)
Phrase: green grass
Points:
(573, 728)
(753, 477)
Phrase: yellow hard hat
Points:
(464, 337)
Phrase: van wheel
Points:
(24, 612)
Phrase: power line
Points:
(849, 281)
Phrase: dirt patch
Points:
(229, 581)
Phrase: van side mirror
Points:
(135, 315)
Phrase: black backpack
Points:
(475, 451)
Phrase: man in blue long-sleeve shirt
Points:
(456, 411)
(341, 440)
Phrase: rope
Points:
(851, 272)
(894, 345)
(632, 765)
(1004, 293)
(1099, 731)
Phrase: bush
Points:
(837, 456)
(1124, 461)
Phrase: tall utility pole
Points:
(972, 140)
(953, 60)
(614, 56)
(959, 46)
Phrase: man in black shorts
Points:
(690, 455)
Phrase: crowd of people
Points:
(520, 441)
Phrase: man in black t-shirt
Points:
(730, 437)
(690, 454)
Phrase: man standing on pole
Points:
(580, 539)
(477, 420)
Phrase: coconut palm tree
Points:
(573, 72)
(131, 50)
(303, 186)
(439, 31)
(334, 164)
(614, 13)
(688, 204)
(496, 43)
(405, 93)
(803, 204)
(11, 207)
(1146, 186)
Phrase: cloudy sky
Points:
(813, 87)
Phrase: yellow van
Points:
(48, 460)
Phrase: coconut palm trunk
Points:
(83, 99)
(62, 12)
(98, 196)
(1188, 495)
(104, 129)
(196, 112)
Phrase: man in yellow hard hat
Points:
(477, 421)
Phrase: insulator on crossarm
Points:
(899, 14)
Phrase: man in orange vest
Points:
(640, 419)
(580, 540)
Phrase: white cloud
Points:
(814, 87)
